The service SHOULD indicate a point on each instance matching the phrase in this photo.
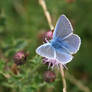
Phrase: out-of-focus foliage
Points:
(21, 23)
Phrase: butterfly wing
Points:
(72, 43)
(61, 50)
(63, 27)
(64, 31)
(62, 56)
(45, 50)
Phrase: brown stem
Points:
(47, 14)
(63, 78)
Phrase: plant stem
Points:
(63, 78)
(48, 16)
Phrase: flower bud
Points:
(46, 36)
(49, 76)
(20, 58)
(49, 35)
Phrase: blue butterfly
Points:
(64, 43)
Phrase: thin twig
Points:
(47, 14)
(63, 78)
(73, 80)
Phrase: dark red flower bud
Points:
(49, 35)
(20, 58)
(46, 36)
(49, 76)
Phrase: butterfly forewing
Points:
(63, 27)
(46, 50)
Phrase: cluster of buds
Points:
(49, 76)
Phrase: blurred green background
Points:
(21, 24)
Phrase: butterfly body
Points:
(63, 44)
(57, 43)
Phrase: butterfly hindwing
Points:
(63, 57)
(72, 43)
